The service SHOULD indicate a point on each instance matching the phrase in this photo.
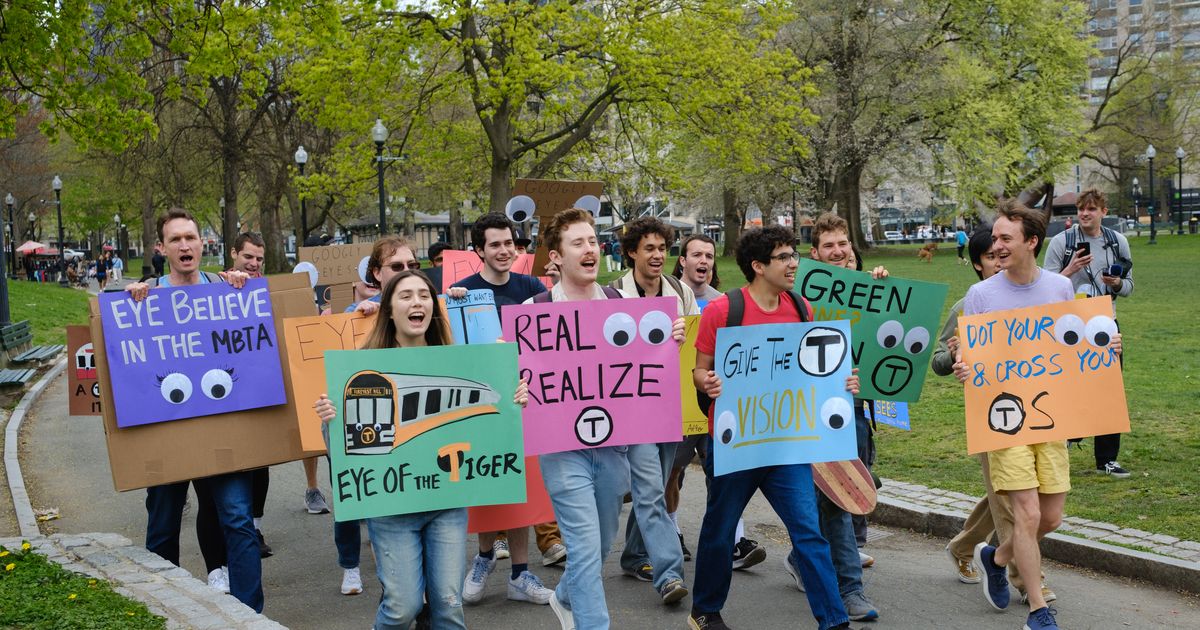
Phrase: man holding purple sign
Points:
(179, 241)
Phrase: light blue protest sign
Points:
(891, 413)
(473, 318)
(783, 397)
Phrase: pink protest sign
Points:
(457, 264)
(601, 372)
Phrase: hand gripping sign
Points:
(1041, 374)
(783, 396)
(601, 372)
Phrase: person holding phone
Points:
(1098, 261)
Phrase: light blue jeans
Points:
(417, 554)
(586, 488)
(649, 469)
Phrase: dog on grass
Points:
(926, 252)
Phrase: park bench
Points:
(16, 335)
(37, 354)
(16, 377)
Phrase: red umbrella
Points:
(31, 247)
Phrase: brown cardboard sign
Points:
(83, 391)
(336, 264)
(167, 452)
(543, 198)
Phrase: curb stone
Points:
(1169, 564)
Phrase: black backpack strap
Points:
(737, 308)
(542, 298)
(1068, 248)
(799, 302)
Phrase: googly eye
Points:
(175, 388)
(591, 203)
(620, 329)
(655, 327)
(724, 427)
(1068, 330)
(836, 413)
(1100, 330)
(520, 208)
(217, 383)
(890, 334)
(916, 340)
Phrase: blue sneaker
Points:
(1041, 619)
(995, 584)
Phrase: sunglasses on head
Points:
(399, 266)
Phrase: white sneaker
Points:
(500, 549)
(528, 588)
(481, 568)
(218, 580)
(867, 561)
(555, 554)
(566, 618)
(351, 581)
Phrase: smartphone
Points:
(1083, 249)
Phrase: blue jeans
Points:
(347, 535)
(417, 554)
(232, 496)
(866, 452)
(649, 469)
(586, 488)
(791, 493)
(838, 528)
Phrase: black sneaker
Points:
(706, 621)
(687, 553)
(264, 550)
(747, 553)
(1114, 469)
(643, 572)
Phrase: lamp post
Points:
(224, 224)
(62, 247)
(379, 134)
(1150, 153)
(1179, 155)
(5, 319)
(1137, 198)
(12, 236)
(301, 160)
(32, 231)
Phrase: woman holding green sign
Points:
(423, 552)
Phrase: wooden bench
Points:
(16, 335)
(17, 377)
(37, 354)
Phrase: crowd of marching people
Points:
(427, 573)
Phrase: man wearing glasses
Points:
(390, 256)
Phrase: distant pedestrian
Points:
(118, 268)
(960, 238)
(158, 262)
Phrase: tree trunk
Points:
(733, 220)
(847, 195)
(149, 228)
(272, 182)
(500, 133)
(454, 231)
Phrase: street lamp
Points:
(1137, 198)
(32, 231)
(5, 319)
(1150, 153)
(379, 134)
(62, 248)
(224, 224)
(1179, 155)
(12, 235)
(301, 160)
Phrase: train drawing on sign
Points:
(383, 410)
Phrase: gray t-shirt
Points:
(998, 293)
(1088, 281)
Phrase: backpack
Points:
(609, 292)
(1110, 243)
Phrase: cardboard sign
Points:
(334, 297)
(457, 264)
(600, 372)
(543, 198)
(192, 351)
(83, 390)
(336, 264)
(890, 413)
(536, 509)
(421, 429)
(166, 452)
(895, 324)
(306, 339)
(1041, 374)
(473, 318)
(695, 421)
(783, 396)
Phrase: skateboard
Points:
(848, 484)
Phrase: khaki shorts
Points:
(1046, 467)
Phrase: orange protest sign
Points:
(695, 421)
(1041, 374)
(306, 340)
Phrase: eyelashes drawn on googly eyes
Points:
(175, 388)
(620, 330)
(655, 327)
(217, 383)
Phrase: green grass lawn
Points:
(48, 307)
(1162, 385)
(39, 594)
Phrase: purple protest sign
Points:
(191, 351)
(601, 373)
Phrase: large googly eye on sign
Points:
(217, 383)
(308, 268)
(1068, 330)
(1100, 330)
(836, 413)
(916, 340)
(655, 327)
(591, 203)
(520, 208)
(620, 329)
(175, 388)
(890, 334)
(723, 428)
(362, 269)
